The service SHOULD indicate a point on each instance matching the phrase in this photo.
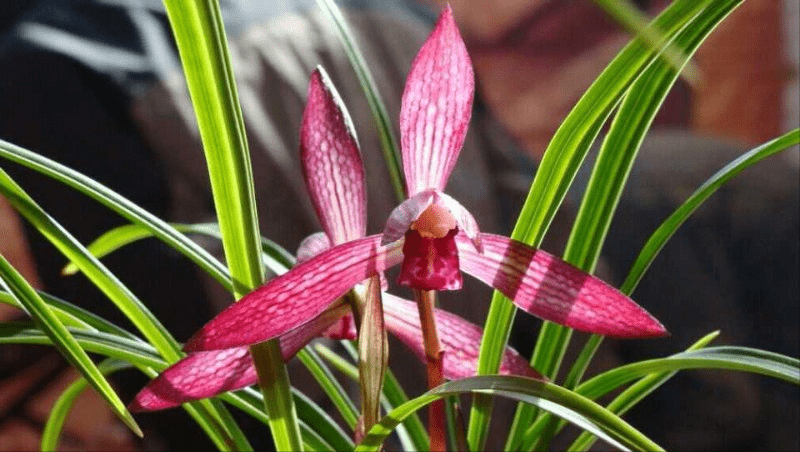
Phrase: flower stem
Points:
(426, 300)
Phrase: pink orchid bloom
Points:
(328, 146)
(431, 234)
(441, 237)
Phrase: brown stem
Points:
(426, 300)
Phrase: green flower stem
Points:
(426, 301)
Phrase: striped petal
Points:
(460, 340)
(549, 288)
(331, 162)
(296, 297)
(436, 107)
(209, 373)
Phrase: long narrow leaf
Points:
(624, 401)
(122, 297)
(671, 224)
(604, 190)
(146, 358)
(389, 146)
(332, 388)
(275, 257)
(567, 404)
(561, 161)
(116, 202)
(411, 432)
(200, 36)
(62, 339)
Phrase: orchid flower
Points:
(328, 147)
(431, 234)
(441, 237)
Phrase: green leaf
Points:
(389, 146)
(560, 163)
(62, 339)
(671, 224)
(604, 190)
(328, 383)
(627, 399)
(209, 418)
(117, 203)
(562, 402)
(275, 257)
(200, 36)
(412, 433)
(146, 358)
(629, 16)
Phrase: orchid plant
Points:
(337, 288)
(437, 235)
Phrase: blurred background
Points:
(95, 84)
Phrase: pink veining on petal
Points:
(430, 263)
(549, 288)
(297, 296)
(209, 373)
(197, 376)
(460, 340)
(331, 162)
(436, 107)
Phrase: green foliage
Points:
(631, 89)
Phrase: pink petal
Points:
(197, 376)
(436, 107)
(406, 213)
(331, 161)
(312, 245)
(554, 290)
(460, 340)
(297, 296)
(409, 211)
(430, 263)
(209, 373)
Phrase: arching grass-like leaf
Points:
(604, 190)
(389, 146)
(62, 339)
(210, 419)
(671, 224)
(562, 402)
(275, 257)
(560, 163)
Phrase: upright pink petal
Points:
(331, 161)
(459, 338)
(297, 296)
(436, 107)
(554, 290)
(209, 373)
